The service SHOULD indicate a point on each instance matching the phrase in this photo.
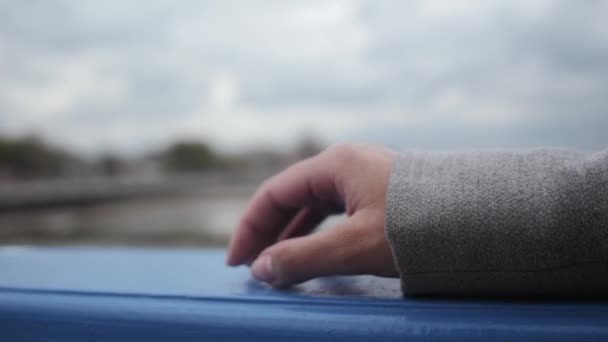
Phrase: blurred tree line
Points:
(29, 157)
(190, 155)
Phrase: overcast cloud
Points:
(129, 76)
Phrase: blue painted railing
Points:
(82, 294)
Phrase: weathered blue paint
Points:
(189, 295)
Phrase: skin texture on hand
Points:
(275, 233)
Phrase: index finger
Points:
(277, 201)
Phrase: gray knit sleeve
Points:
(500, 223)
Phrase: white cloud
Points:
(223, 92)
(71, 82)
(118, 75)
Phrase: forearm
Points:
(490, 223)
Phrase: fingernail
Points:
(262, 269)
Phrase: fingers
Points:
(303, 223)
(344, 249)
(275, 204)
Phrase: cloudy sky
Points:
(128, 76)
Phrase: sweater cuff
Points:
(495, 223)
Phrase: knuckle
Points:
(265, 186)
(376, 148)
(375, 151)
(342, 148)
(342, 153)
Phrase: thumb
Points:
(344, 249)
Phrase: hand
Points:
(274, 233)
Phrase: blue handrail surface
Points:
(126, 294)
